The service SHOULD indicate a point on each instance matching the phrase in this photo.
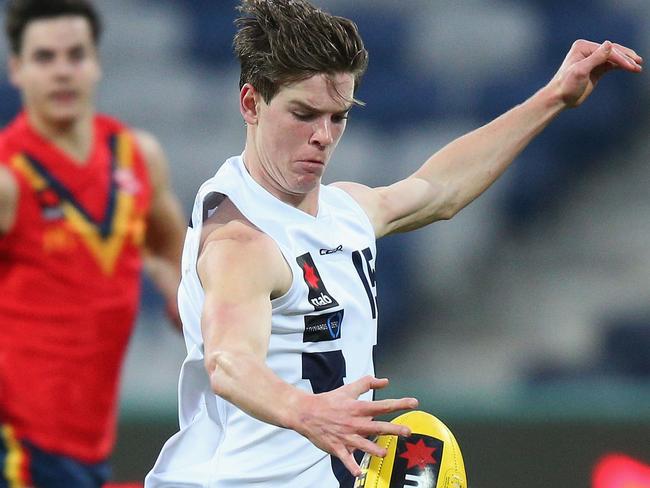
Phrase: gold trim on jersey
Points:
(124, 221)
(14, 459)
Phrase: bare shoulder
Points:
(365, 196)
(238, 233)
(147, 142)
(7, 180)
(369, 199)
(153, 154)
(356, 190)
(228, 222)
(240, 251)
(8, 199)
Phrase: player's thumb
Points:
(365, 384)
(595, 59)
(602, 53)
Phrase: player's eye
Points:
(77, 54)
(304, 116)
(43, 56)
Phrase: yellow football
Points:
(429, 458)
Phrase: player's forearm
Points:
(164, 273)
(466, 167)
(245, 381)
(8, 200)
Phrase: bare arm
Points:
(165, 226)
(458, 173)
(8, 200)
(236, 326)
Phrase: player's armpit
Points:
(9, 193)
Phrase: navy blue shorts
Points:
(24, 465)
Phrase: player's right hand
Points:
(339, 423)
(586, 63)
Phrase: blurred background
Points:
(523, 323)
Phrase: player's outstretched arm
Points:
(458, 173)
(165, 227)
(241, 270)
(8, 200)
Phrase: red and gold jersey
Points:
(70, 282)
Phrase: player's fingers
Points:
(608, 53)
(380, 407)
(365, 384)
(601, 58)
(584, 47)
(368, 446)
(384, 428)
(624, 60)
(600, 55)
(349, 462)
(631, 53)
(378, 383)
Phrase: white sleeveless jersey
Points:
(323, 333)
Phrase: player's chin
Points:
(307, 183)
(64, 115)
(308, 180)
(68, 109)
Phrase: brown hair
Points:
(283, 41)
(19, 13)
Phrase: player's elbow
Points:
(443, 201)
(446, 208)
(220, 368)
(450, 203)
(446, 213)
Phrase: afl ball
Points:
(429, 458)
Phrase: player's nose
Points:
(323, 132)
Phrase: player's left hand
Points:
(165, 275)
(173, 313)
(586, 63)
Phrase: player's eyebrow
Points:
(310, 108)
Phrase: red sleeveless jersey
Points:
(69, 286)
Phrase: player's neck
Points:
(306, 202)
(74, 138)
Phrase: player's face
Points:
(299, 129)
(57, 69)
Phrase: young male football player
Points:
(83, 200)
(278, 293)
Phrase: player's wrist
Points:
(297, 409)
(552, 96)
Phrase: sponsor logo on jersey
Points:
(127, 181)
(318, 296)
(324, 327)
(417, 461)
(50, 204)
(324, 252)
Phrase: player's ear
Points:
(249, 100)
(13, 65)
(99, 72)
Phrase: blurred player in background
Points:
(83, 200)
(278, 295)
